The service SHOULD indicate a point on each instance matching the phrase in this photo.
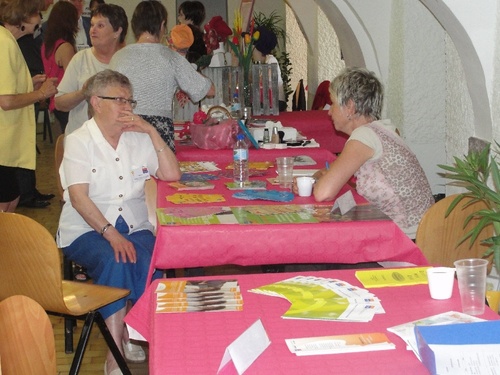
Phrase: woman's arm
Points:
(64, 54)
(16, 101)
(168, 167)
(69, 99)
(67, 102)
(353, 156)
(79, 197)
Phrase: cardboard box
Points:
(467, 340)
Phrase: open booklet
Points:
(359, 342)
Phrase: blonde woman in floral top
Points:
(388, 173)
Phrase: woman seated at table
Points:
(104, 223)
(388, 174)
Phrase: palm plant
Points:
(478, 173)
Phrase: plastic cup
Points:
(305, 185)
(284, 167)
(441, 282)
(471, 274)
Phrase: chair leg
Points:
(69, 322)
(111, 344)
(69, 326)
(95, 316)
(46, 125)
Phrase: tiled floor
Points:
(93, 361)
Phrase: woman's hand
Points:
(48, 88)
(38, 79)
(123, 248)
(134, 123)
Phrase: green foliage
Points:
(474, 173)
(273, 22)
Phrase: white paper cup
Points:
(305, 185)
(471, 274)
(441, 282)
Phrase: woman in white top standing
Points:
(108, 31)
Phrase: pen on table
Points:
(327, 165)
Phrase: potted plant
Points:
(478, 173)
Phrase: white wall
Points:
(439, 61)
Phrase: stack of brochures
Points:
(324, 299)
(198, 295)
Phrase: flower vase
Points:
(247, 87)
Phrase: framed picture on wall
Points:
(212, 8)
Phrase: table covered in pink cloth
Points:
(180, 246)
(193, 153)
(194, 342)
(313, 124)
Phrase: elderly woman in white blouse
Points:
(104, 223)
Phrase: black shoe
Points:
(34, 204)
(43, 197)
(80, 273)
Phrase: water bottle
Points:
(240, 161)
(236, 107)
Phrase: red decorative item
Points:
(216, 30)
(199, 117)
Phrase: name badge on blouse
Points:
(141, 174)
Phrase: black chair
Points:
(44, 107)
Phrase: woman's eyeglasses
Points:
(120, 100)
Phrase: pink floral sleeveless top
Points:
(395, 182)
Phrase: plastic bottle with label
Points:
(240, 161)
(236, 107)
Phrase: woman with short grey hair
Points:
(388, 174)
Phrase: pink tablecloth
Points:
(193, 153)
(182, 246)
(194, 343)
(313, 124)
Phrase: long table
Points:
(180, 246)
(194, 343)
(313, 124)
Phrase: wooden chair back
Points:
(31, 262)
(438, 236)
(31, 265)
(27, 344)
